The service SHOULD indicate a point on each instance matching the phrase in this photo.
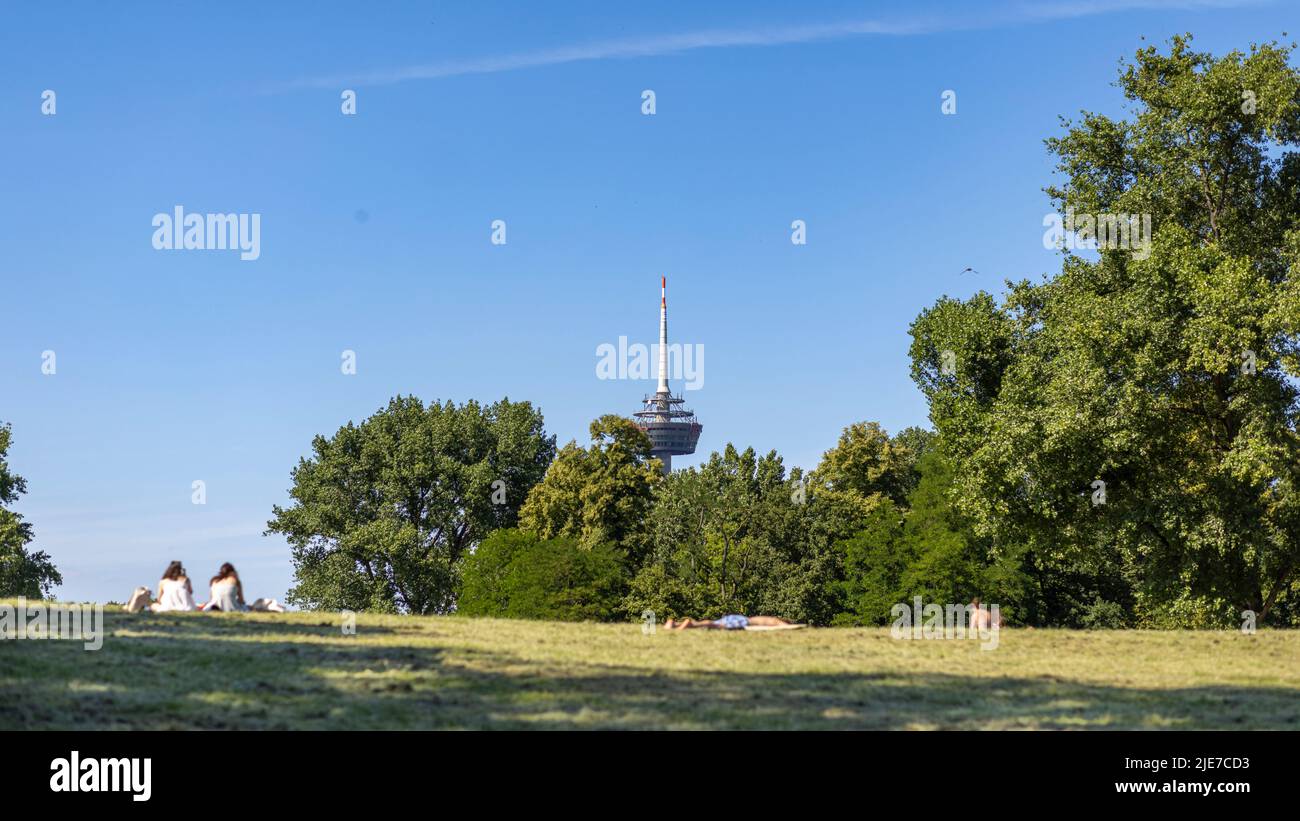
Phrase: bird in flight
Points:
(968, 270)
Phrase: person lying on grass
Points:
(730, 622)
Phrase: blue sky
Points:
(174, 366)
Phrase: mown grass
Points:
(299, 671)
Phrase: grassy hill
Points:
(299, 671)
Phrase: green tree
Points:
(22, 573)
(927, 549)
(514, 574)
(384, 511)
(869, 466)
(599, 494)
(911, 444)
(874, 562)
(1138, 411)
(737, 535)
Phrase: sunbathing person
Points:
(174, 590)
(730, 622)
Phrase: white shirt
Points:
(174, 594)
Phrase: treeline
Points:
(405, 512)
(470, 508)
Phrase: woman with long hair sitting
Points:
(227, 591)
(174, 590)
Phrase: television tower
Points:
(672, 429)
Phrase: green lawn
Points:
(298, 670)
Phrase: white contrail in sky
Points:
(666, 44)
(650, 46)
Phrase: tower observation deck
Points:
(673, 430)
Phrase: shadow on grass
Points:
(227, 672)
(253, 625)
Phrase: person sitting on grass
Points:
(228, 594)
(227, 591)
(174, 591)
(981, 618)
(730, 622)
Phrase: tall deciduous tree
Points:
(385, 511)
(927, 549)
(599, 494)
(1141, 406)
(870, 467)
(22, 573)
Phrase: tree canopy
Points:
(384, 511)
(517, 575)
(599, 494)
(1140, 408)
(22, 573)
